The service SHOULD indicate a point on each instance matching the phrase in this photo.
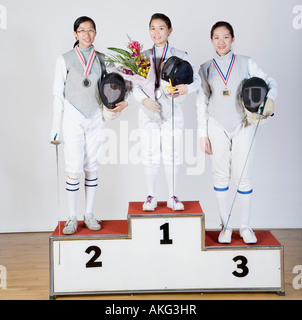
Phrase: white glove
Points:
(269, 107)
(109, 115)
(151, 105)
(56, 127)
(253, 118)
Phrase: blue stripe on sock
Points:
(221, 189)
(245, 192)
(72, 189)
(92, 179)
(72, 184)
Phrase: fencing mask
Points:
(253, 98)
(112, 89)
(175, 71)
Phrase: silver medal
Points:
(86, 83)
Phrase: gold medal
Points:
(226, 92)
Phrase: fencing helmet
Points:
(253, 97)
(112, 89)
(175, 71)
(254, 91)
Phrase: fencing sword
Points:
(172, 90)
(173, 155)
(234, 199)
(57, 143)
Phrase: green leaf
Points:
(121, 51)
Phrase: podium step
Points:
(264, 237)
(138, 254)
(190, 208)
(110, 228)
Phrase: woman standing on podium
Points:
(77, 106)
(155, 117)
(222, 127)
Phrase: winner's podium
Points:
(161, 251)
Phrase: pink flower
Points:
(135, 45)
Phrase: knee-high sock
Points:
(244, 204)
(72, 189)
(151, 175)
(91, 183)
(222, 197)
(169, 175)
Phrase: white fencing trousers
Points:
(230, 151)
(83, 139)
(156, 136)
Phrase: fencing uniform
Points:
(83, 123)
(221, 118)
(156, 129)
(78, 102)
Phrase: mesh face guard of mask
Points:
(112, 90)
(254, 91)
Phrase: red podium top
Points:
(109, 228)
(265, 239)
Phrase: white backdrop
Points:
(33, 33)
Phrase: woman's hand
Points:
(205, 145)
(119, 107)
(182, 89)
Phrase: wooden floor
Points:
(26, 258)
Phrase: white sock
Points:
(91, 183)
(222, 197)
(169, 176)
(151, 175)
(244, 200)
(72, 189)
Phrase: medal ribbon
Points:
(225, 78)
(87, 67)
(163, 57)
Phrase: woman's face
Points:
(85, 34)
(159, 32)
(222, 40)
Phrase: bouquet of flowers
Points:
(134, 66)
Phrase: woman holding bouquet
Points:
(155, 116)
(76, 97)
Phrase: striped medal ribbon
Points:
(225, 78)
(87, 67)
(157, 70)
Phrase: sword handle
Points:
(55, 141)
(262, 108)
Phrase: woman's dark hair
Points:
(222, 24)
(163, 17)
(77, 24)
